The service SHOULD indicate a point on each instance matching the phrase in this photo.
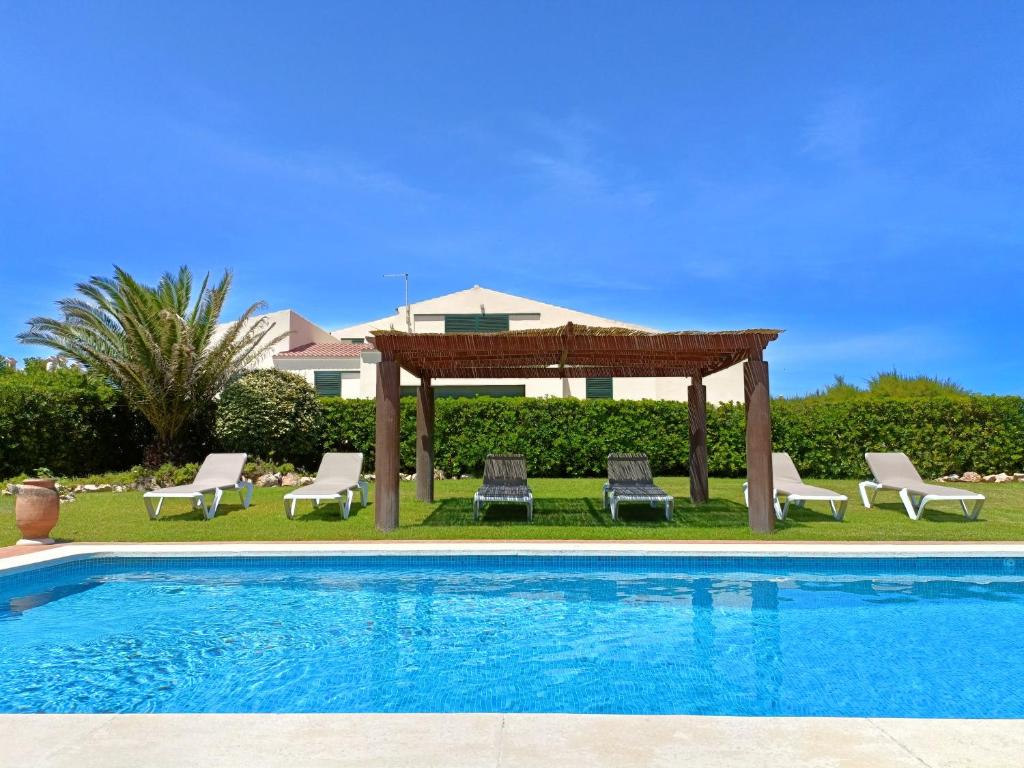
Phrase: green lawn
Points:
(565, 509)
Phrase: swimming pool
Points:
(860, 637)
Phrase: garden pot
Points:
(36, 510)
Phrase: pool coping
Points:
(59, 553)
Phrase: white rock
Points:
(1002, 477)
(970, 477)
(439, 474)
(305, 480)
(290, 479)
(119, 489)
(268, 480)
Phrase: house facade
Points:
(334, 362)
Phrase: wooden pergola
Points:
(572, 352)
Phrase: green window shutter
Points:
(475, 323)
(599, 388)
(327, 383)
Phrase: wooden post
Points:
(386, 488)
(425, 441)
(696, 400)
(761, 510)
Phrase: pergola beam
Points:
(425, 441)
(385, 500)
(696, 402)
(760, 483)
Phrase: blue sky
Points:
(849, 172)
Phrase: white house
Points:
(333, 362)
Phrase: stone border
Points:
(505, 741)
(64, 552)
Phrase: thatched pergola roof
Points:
(571, 351)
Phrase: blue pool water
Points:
(725, 636)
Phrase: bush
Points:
(272, 414)
(572, 438)
(67, 422)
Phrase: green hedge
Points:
(75, 427)
(66, 423)
(571, 438)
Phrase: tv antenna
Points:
(408, 309)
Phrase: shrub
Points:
(272, 414)
(67, 422)
(572, 438)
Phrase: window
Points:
(484, 390)
(599, 388)
(327, 383)
(475, 323)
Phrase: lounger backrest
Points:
(893, 468)
(340, 466)
(505, 469)
(783, 468)
(220, 469)
(629, 468)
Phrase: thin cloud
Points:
(838, 128)
(324, 168)
(569, 163)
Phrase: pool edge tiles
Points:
(62, 552)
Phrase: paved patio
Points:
(505, 741)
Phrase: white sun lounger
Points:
(896, 472)
(788, 483)
(219, 472)
(339, 473)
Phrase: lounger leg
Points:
(614, 506)
(245, 489)
(976, 511)
(347, 506)
(908, 504)
(783, 510)
(218, 494)
(604, 495)
(838, 512)
(668, 509)
(529, 511)
(476, 508)
(746, 494)
(200, 503)
(364, 492)
(154, 513)
(864, 486)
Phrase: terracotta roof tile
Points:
(339, 349)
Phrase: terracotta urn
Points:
(36, 510)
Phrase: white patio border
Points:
(64, 552)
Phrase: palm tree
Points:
(161, 349)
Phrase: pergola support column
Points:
(696, 400)
(425, 441)
(387, 466)
(761, 510)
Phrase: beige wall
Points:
(359, 379)
(300, 331)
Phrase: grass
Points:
(565, 509)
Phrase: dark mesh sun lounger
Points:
(630, 480)
(504, 482)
